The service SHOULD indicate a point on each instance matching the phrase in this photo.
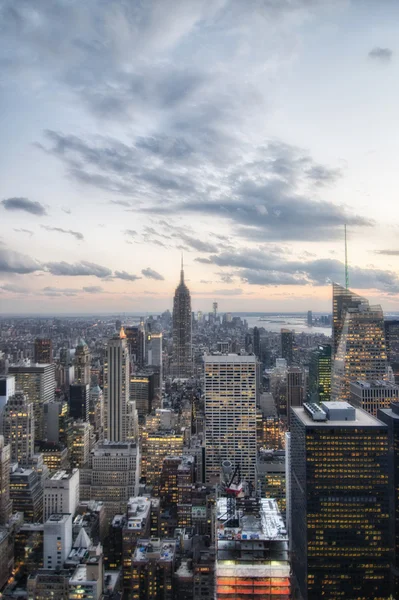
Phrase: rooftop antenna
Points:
(346, 263)
(182, 269)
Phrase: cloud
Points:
(81, 269)
(76, 234)
(383, 55)
(151, 274)
(388, 252)
(15, 262)
(24, 204)
(228, 292)
(28, 231)
(126, 276)
(130, 232)
(93, 289)
(16, 289)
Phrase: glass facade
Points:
(320, 374)
(340, 511)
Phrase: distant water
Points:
(277, 321)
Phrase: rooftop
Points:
(230, 358)
(155, 549)
(362, 418)
(59, 518)
(261, 521)
(374, 383)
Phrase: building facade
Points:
(43, 351)
(5, 501)
(372, 395)
(61, 493)
(182, 331)
(19, 428)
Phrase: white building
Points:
(57, 540)
(230, 414)
(7, 389)
(119, 414)
(61, 493)
(19, 428)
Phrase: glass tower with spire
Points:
(182, 330)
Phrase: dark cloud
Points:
(28, 231)
(381, 54)
(228, 292)
(14, 262)
(81, 269)
(388, 252)
(151, 274)
(24, 204)
(76, 234)
(130, 232)
(93, 289)
(126, 276)
(15, 289)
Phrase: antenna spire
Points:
(182, 270)
(346, 263)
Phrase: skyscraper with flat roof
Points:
(339, 509)
(230, 414)
(392, 342)
(182, 331)
(320, 374)
(19, 427)
(43, 351)
(287, 342)
(5, 502)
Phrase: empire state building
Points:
(182, 331)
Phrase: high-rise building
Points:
(37, 382)
(43, 351)
(7, 389)
(26, 493)
(112, 475)
(61, 493)
(360, 352)
(135, 336)
(295, 387)
(310, 318)
(79, 401)
(343, 299)
(320, 374)
(339, 510)
(57, 540)
(372, 395)
(79, 444)
(120, 412)
(153, 565)
(390, 416)
(287, 345)
(256, 344)
(5, 501)
(154, 357)
(55, 418)
(182, 331)
(19, 427)
(96, 412)
(142, 392)
(252, 559)
(156, 446)
(392, 343)
(82, 363)
(230, 414)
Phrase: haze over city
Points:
(243, 134)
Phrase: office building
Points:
(142, 392)
(182, 331)
(372, 395)
(154, 351)
(43, 351)
(339, 509)
(26, 493)
(391, 327)
(112, 475)
(37, 382)
(135, 336)
(79, 401)
(57, 540)
(79, 444)
(320, 374)
(56, 418)
(294, 388)
(18, 428)
(153, 565)
(271, 471)
(156, 446)
(136, 525)
(5, 501)
(310, 318)
(256, 342)
(55, 456)
(230, 414)
(252, 559)
(82, 363)
(7, 389)
(87, 580)
(361, 351)
(287, 345)
(6, 556)
(61, 493)
(120, 412)
(343, 300)
(96, 412)
(390, 416)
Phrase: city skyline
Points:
(245, 134)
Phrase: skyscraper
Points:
(135, 336)
(43, 351)
(82, 363)
(154, 354)
(287, 342)
(37, 382)
(338, 503)
(343, 299)
(360, 352)
(294, 389)
(119, 410)
(19, 427)
(182, 330)
(230, 414)
(320, 374)
(392, 342)
(256, 345)
(5, 502)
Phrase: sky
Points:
(243, 135)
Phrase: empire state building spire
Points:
(182, 330)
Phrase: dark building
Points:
(338, 502)
(135, 336)
(343, 299)
(320, 374)
(287, 345)
(256, 344)
(295, 389)
(390, 416)
(310, 318)
(43, 351)
(142, 389)
(26, 493)
(79, 401)
(392, 345)
(153, 566)
(182, 331)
